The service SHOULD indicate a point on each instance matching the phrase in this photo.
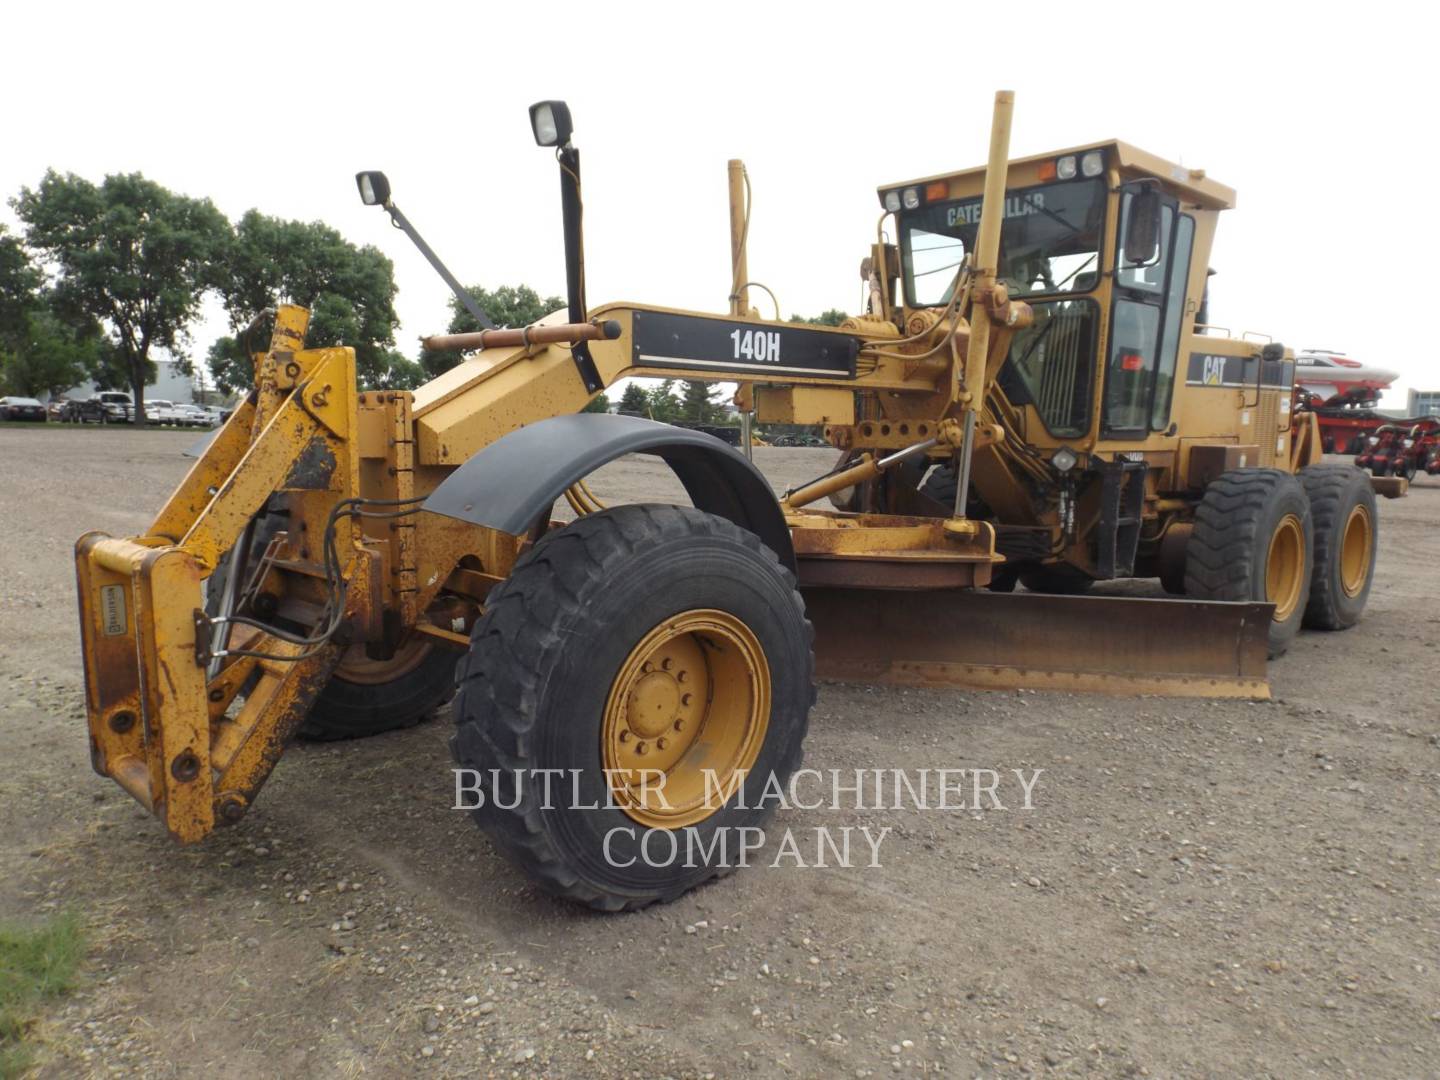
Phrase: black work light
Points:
(374, 188)
(550, 121)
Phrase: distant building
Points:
(169, 384)
(1423, 403)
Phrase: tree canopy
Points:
(20, 282)
(349, 290)
(129, 255)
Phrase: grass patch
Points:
(37, 963)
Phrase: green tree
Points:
(20, 282)
(600, 403)
(663, 404)
(129, 254)
(507, 306)
(698, 405)
(635, 400)
(350, 292)
(832, 317)
(48, 358)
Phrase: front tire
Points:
(639, 634)
(1253, 540)
(1346, 540)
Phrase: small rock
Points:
(472, 1000)
(427, 1051)
(522, 1056)
(487, 1008)
(1101, 1002)
(1034, 883)
(431, 1023)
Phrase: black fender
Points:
(510, 483)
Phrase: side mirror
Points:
(1142, 228)
(550, 121)
(374, 188)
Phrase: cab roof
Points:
(1193, 183)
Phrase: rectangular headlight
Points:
(1092, 164)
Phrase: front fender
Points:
(510, 483)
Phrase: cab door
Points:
(1147, 308)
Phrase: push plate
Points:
(112, 610)
(745, 350)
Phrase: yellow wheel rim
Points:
(1356, 544)
(1285, 567)
(356, 667)
(687, 714)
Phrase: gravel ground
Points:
(1201, 888)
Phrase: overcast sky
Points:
(1321, 116)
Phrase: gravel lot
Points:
(1200, 889)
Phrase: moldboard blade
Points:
(984, 640)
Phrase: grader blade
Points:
(981, 640)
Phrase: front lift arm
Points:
(160, 726)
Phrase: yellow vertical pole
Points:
(739, 272)
(986, 257)
(984, 266)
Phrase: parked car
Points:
(21, 408)
(106, 407)
(159, 411)
(197, 416)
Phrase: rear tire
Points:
(1346, 541)
(1253, 540)
(559, 676)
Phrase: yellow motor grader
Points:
(1032, 396)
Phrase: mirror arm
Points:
(461, 293)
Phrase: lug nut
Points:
(685, 699)
(624, 736)
(660, 743)
(682, 676)
(679, 725)
(666, 663)
(642, 748)
(647, 666)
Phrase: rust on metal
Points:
(977, 639)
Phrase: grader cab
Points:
(1030, 397)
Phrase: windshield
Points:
(1049, 242)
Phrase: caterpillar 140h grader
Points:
(1032, 396)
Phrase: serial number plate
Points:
(112, 610)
